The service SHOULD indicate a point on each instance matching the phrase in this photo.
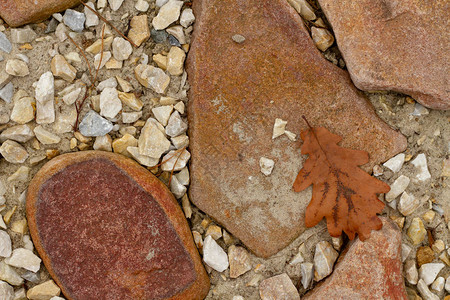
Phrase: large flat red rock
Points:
(395, 45)
(367, 270)
(106, 228)
(237, 92)
(20, 12)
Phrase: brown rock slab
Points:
(106, 228)
(237, 92)
(395, 45)
(367, 270)
(20, 12)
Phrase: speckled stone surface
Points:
(395, 45)
(237, 92)
(20, 12)
(367, 270)
(106, 228)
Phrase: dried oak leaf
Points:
(342, 193)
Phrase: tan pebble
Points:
(19, 226)
(96, 47)
(35, 144)
(322, 38)
(120, 145)
(214, 231)
(400, 221)
(7, 217)
(52, 153)
(139, 31)
(410, 100)
(185, 47)
(73, 143)
(83, 146)
(130, 100)
(444, 258)
(438, 246)
(227, 238)
(113, 64)
(429, 216)
(82, 138)
(205, 223)
(61, 68)
(139, 123)
(160, 60)
(124, 85)
(44, 290)
(416, 231)
(186, 204)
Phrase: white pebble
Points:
(213, 255)
(266, 165)
(395, 163)
(420, 162)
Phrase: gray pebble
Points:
(7, 92)
(51, 27)
(74, 20)
(5, 44)
(159, 36)
(173, 41)
(95, 125)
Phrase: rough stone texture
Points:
(367, 270)
(114, 232)
(394, 45)
(19, 12)
(238, 90)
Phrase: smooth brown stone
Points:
(367, 270)
(237, 92)
(395, 45)
(106, 228)
(20, 12)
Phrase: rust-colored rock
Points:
(395, 45)
(367, 270)
(106, 228)
(20, 12)
(237, 92)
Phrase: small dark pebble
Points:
(159, 36)
(51, 27)
(173, 41)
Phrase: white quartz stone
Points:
(5, 244)
(187, 18)
(168, 13)
(266, 165)
(425, 291)
(110, 104)
(46, 137)
(324, 258)
(45, 93)
(398, 187)
(175, 160)
(24, 258)
(213, 255)
(278, 128)
(428, 272)
(395, 163)
(420, 162)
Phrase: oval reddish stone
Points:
(20, 12)
(106, 228)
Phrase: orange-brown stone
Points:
(395, 45)
(237, 92)
(367, 270)
(20, 12)
(106, 228)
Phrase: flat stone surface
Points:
(19, 12)
(114, 232)
(394, 45)
(237, 92)
(367, 270)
